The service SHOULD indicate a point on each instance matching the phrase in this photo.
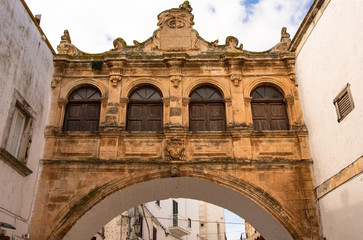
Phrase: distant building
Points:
(211, 222)
(252, 233)
(169, 219)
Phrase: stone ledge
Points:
(340, 178)
(14, 163)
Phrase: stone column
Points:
(112, 113)
(175, 111)
(237, 105)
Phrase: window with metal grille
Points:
(343, 103)
(145, 110)
(83, 110)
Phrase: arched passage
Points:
(215, 192)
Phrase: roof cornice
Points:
(308, 23)
(38, 26)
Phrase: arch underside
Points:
(127, 190)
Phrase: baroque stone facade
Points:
(270, 165)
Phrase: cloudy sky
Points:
(94, 24)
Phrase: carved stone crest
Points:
(175, 23)
(175, 150)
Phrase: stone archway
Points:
(75, 213)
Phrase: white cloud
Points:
(93, 24)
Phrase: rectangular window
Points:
(141, 223)
(175, 213)
(189, 223)
(157, 202)
(17, 135)
(343, 103)
(154, 233)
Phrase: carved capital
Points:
(124, 101)
(116, 72)
(248, 100)
(114, 79)
(56, 80)
(166, 102)
(185, 101)
(104, 101)
(228, 101)
(175, 80)
(290, 65)
(236, 79)
(289, 99)
(62, 102)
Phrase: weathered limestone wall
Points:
(26, 68)
(331, 56)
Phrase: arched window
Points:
(145, 110)
(83, 110)
(268, 109)
(207, 110)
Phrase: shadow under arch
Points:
(102, 204)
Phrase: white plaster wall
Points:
(343, 211)
(332, 57)
(25, 65)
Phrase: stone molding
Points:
(14, 163)
(349, 172)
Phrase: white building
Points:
(170, 219)
(26, 68)
(329, 70)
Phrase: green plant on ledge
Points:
(97, 65)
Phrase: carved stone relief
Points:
(175, 150)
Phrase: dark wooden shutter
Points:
(91, 116)
(197, 117)
(135, 117)
(260, 116)
(145, 110)
(268, 109)
(83, 110)
(153, 119)
(278, 116)
(216, 115)
(207, 110)
(82, 116)
(73, 117)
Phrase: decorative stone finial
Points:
(66, 38)
(285, 37)
(66, 46)
(119, 44)
(186, 6)
(232, 44)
